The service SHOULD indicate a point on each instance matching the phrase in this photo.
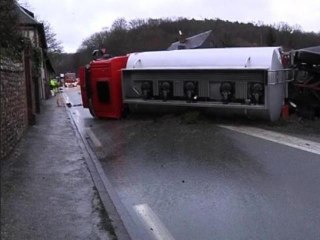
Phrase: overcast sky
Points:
(75, 20)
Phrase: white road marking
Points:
(299, 143)
(66, 98)
(76, 116)
(93, 138)
(152, 222)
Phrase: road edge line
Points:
(294, 142)
(123, 225)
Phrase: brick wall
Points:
(13, 105)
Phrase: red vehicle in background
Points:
(70, 80)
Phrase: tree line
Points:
(157, 34)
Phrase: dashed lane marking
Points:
(153, 223)
(93, 138)
(295, 142)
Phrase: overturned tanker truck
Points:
(249, 80)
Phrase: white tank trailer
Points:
(250, 80)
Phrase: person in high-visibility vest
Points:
(55, 91)
(54, 85)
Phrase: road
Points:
(207, 180)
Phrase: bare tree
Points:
(95, 41)
(54, 45)
(136, 23)
(119, 24)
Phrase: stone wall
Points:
(13, 105)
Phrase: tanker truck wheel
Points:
(91, 110)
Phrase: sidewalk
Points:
(46, 189)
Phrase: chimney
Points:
(182, 37)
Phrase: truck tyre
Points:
(91, 110)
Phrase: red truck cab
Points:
(100, 83)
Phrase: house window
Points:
(31, 36)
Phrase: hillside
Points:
(157, 34)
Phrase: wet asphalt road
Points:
(205, 182)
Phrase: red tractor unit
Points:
(100, 83)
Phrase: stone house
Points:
(24, 83)
(42, 69)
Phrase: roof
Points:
(310, 55)
(315, 49)
(26, 18)
(195, 41)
